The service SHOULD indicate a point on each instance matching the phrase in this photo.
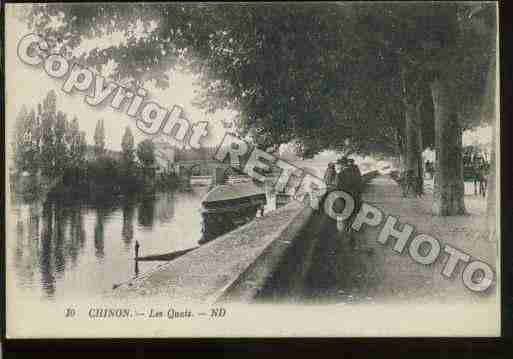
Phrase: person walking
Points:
(429, 169)
(478, 174)
(483, 174)
(356, 189)
(346, 182)
(330, 176)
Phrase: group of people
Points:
(480, 169)
(346, 176)
(477, 169)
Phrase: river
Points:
(83, 250)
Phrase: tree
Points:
(77, 144)
(35, 138)
(467, 53)
(99, 139)
(315, 74)
(61, 152)
(447, 49)
(21, 137)
(127, 145)
(254, 58)
(47, 113)
(146, 154)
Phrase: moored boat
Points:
(228, 206)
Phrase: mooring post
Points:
(136, 250)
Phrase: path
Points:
(374, 273)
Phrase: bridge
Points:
(206, 172)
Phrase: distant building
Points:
(165, 155)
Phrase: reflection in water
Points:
(45, 259)
(77, 235)
(60, 224)
(103, 213)
(166, 208)
(98, 234)
(136, 267)
(146, 212)
(53, 255)
(127, 233)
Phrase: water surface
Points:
(60, 250)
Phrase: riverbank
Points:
(237, 266)
(206, 273)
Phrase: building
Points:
(165, 155)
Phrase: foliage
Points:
(26, 141)
(47, 113)
(314, 74)
(127, 146)
(60, 147)
(146, 153)
(292, 71)
(99, 139)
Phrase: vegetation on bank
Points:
(50, 153)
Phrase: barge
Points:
(228, 206)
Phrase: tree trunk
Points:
(491, 211)
(449, 191)
(420, 146)
(491, 100)
(413, 140)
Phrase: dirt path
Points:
(357, 268)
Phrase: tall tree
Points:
(76, 143)
(146, 153)
(21, 138)
(146, 156)
(35, 137)
(315, 74)
(61, 152)
(458, 87)
(444, 47)
(127, 146)
(99, 139)
(48, 117)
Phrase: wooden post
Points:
(136, 250)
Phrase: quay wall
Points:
(236, 266)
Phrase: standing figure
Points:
(483, 173)
(330, 176)
(477, 169)
(346, 182)
(356, 189)
(429, 169)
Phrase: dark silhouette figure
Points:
(357, 187)
(430, 169)
(330, 177)
(480, 172)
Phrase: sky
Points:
(28, 85)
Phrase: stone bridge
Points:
(203, 171)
